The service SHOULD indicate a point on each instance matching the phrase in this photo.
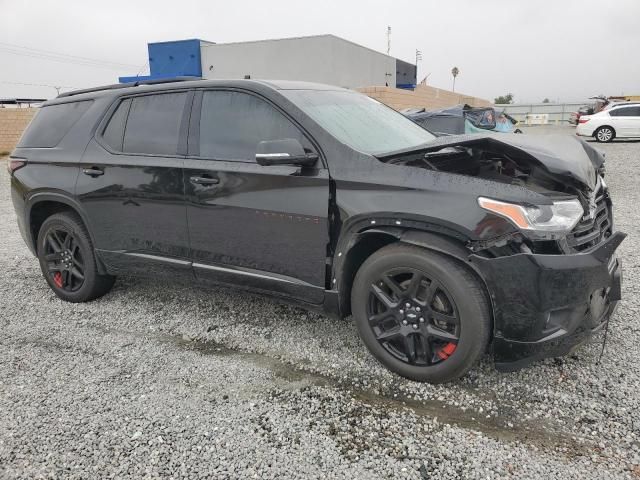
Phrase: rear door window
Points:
(52, 123)
(624, 112)
(153, 124)
(635, 111)
(233, 123)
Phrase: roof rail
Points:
(117, 86)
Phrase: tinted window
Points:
(233, 123)
(625, 112)
(52, 123)
(114, 133)
(153, 125)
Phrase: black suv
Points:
(440, 247)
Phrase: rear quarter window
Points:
(113, 134)
(52, 123)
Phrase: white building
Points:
(322, 58)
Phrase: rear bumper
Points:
(19, 207)
(546, 305)
(583, 130)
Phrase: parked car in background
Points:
(618, 121)
(462, 119)
(440, 248)
(574, 117)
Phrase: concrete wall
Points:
(323, 59)
(13, 121)
(423, 96)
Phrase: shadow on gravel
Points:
(504, 428)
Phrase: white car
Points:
(620, 121)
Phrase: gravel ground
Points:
(158, 380)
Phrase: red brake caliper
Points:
(446, 351)
(57, 279)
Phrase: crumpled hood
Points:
(563, 155)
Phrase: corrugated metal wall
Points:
(323, 59)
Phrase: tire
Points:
(435, 350)
(67, 259)
(604, 134)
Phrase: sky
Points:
(564, 50)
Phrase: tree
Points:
(546, 100)
(504, 99)
(454, 71)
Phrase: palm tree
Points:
(454, 72)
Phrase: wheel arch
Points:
(41, 206)
(359, 246)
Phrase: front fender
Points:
(355, 245)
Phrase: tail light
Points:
(15, 163)
(583, 120)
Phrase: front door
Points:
(262, 227)
(131, 186)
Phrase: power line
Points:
(64, 55)
(61, 57)
(61, 60)
(36, 84)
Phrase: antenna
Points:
(418, 58)
(388, 40)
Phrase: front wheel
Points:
(605, 134)
(420, 313)
(67, 260)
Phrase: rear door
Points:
(626, 120)
(131, 184)
(635, 118)
(262, 227)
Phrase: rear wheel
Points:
(67, 260)
(605, 134)
(420, 313)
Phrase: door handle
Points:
(204, 180)
(93, 171)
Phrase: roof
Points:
(187, 82)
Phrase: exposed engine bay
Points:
(567, 168)
(489, 164)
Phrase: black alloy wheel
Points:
(67, 259)
(64, 260)
(422, 314)
(413, 317)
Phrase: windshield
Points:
(360, 121)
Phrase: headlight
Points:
(559, 218)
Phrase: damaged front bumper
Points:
(545, 305)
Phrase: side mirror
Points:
(287, 151)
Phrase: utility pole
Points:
(388, 40)
(418, 58)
